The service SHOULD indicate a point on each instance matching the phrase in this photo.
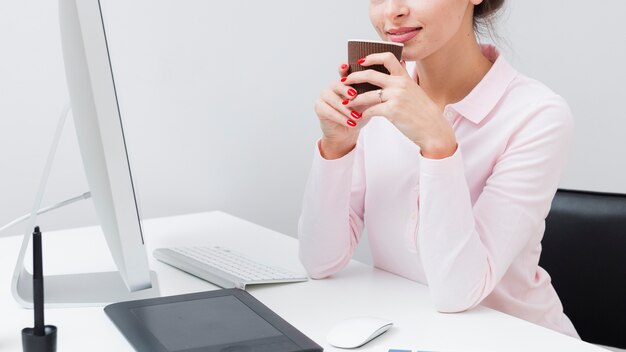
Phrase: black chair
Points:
(584, 251)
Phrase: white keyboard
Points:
(224, 267)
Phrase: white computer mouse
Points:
(356, 332)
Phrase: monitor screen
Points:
(100, 133)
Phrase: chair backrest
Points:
(584, 251)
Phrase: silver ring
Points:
(380, 95)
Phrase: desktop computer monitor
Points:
(100, 134)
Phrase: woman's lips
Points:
(402, 35)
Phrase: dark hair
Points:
(484, 12)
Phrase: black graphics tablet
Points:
(223, 320)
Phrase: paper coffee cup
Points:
(358, 49)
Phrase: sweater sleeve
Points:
(467, 249)
(331, 220)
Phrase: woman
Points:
(455, 174)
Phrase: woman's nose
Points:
(396, 9)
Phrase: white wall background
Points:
(217, 98)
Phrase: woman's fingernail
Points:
(351, 92)
(356, 115)
(351, 123)
(344, 66)
(345, 102)
(361, 60)
(343, 79)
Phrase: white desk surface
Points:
(312, 307)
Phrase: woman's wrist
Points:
(334, 149)
(439, 148)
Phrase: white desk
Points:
(312, 307)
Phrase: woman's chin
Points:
(414, 53)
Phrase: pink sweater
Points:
(468, 226)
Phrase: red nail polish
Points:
(361, 60)
(351, 123)
(345, 102)
(351, 92)
(356, 115)
(343, 79)
(344, 66)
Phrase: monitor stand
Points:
(80, 290)
(71, 290)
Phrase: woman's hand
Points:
(340, 124)
(405, 104)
